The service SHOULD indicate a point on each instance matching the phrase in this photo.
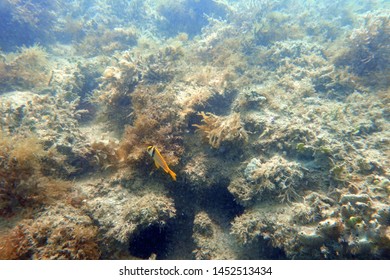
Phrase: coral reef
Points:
(274, 114)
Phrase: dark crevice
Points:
(216, 201)
(262, 249)
(151, 240)
(174, 240)
(219, 204)
(220, 104)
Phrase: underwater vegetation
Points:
(30, 18)
(368, 53)
(188, 16)
(23, 183)
(24, 69)
(272, 114)
(218, 129)
(51, 237)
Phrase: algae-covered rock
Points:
(209, 239)
(276, 179)
(330, 227)
(121, 214)
(310, 238)
(60, 232)
(149, 209)
(273, 114)
(354, 198)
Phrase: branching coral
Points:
(218, 130)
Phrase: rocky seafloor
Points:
(273, 114)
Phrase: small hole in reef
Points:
(152, 240)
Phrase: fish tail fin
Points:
(173, 174)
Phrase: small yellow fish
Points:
(159, 161)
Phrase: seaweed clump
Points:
(275, 26)
(154, 124)
(34, 20)
(95, 42)
(140, 135)
(137, 94)
(52, 235)
(218, 130)
(19, 163)
(275, 178)
(131, 214)
(368, 54)
(118, 81)
(22, 183)
(25, 69)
